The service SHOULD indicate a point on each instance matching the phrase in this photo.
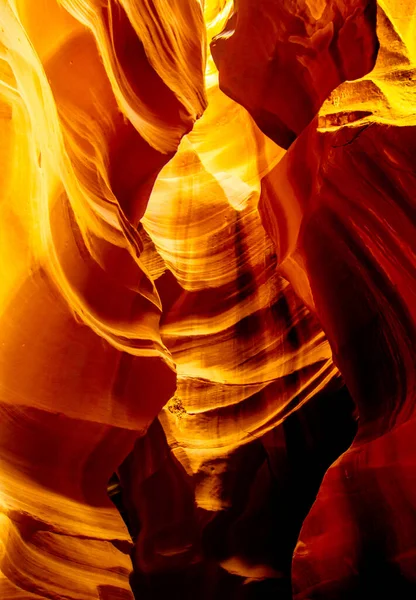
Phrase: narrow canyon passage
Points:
(207, 299)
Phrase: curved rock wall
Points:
(207, 299)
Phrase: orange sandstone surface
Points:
(207, 299)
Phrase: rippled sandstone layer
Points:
(198, 259)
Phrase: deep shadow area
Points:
(276, 479)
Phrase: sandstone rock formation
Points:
(207, 299)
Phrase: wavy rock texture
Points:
(357, 243)
(83, 367)
(207, 341)
(300, 52)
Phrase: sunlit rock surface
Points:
(207, 341)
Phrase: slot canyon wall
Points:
(207, 299)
